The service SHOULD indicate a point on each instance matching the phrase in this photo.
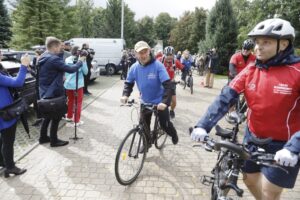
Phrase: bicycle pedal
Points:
(207, 180)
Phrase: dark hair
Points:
(51, 42)
(74, 50)
(84, 45)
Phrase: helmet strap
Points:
(278, 46)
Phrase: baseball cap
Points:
(141, 45)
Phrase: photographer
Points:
(52, 68)
(89, 59)
(8, 128)
(70, 85)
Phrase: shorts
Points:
(274, 175)
(173, 89)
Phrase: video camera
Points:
(209, 52)
(82, 53)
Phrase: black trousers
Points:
(8, 136)
(164, 120)
(53, 128)
(87, 80)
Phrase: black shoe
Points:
(44, 140)
(59, 143)
(37, 122)
(175, 139)
(87, 93)
(172, 114)
(15, 171)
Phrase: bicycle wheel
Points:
(191, 84)
(130, 159)
(161, 137)
(220, 177)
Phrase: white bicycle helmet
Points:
(274, 28)
(169, 50)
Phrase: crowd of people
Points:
(268, 77)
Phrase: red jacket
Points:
(170, 66)
(238, 60)
(273, 99)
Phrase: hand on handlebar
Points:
(124, 99)
(286, 158)
(161, 106)
(199, 134)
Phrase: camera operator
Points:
(89, 59)
(8, 128)
(52, 68)
(67, 49)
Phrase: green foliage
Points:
(34, 20)
(145, 30)
(221, 32)
(5, 33)
(84, 17)
(163, 25)
(189, 30)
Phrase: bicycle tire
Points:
(184, 84)
(161, 135)
(123, 154)
(191, 85)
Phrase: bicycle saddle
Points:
(225, 133)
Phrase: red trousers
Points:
(71, 104)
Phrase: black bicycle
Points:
(189, 82)
(132, 151)
(231, 157)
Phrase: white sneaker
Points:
(68, 119)
(79, 123)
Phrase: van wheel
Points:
(110, 70)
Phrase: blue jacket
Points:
(187, 63)
(5, 83)
(52, 69)
(70, 82)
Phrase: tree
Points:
(5, 33)
(145, 30)
(221, 32)
(34, 20)
(85, 17)
(163, 24)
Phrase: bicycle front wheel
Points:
(130, 157)
(161, 137)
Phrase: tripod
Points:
(75, 138)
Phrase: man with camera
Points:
(52, 69)
(89, 59)
(211, 61)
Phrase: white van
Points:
(108, 52)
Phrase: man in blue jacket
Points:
(52, 69)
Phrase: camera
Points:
(209, 52)
(82, 53)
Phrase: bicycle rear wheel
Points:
(161, 137)
(130, 159)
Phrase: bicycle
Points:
(188, 81)
(240, 108)
(136, 144)
(231, 156)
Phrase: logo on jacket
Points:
(251, 86)
(151, 76)
(282, 89)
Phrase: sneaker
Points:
(79, 123)
(68, 119)
(172, 114)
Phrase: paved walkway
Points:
(85, 169)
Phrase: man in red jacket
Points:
(171, 63)
(271, 87)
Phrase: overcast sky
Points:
(153, 7)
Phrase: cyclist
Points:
(272, 90)
(171, 63)
(187, 64)
(154, 86)
(240, 60)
